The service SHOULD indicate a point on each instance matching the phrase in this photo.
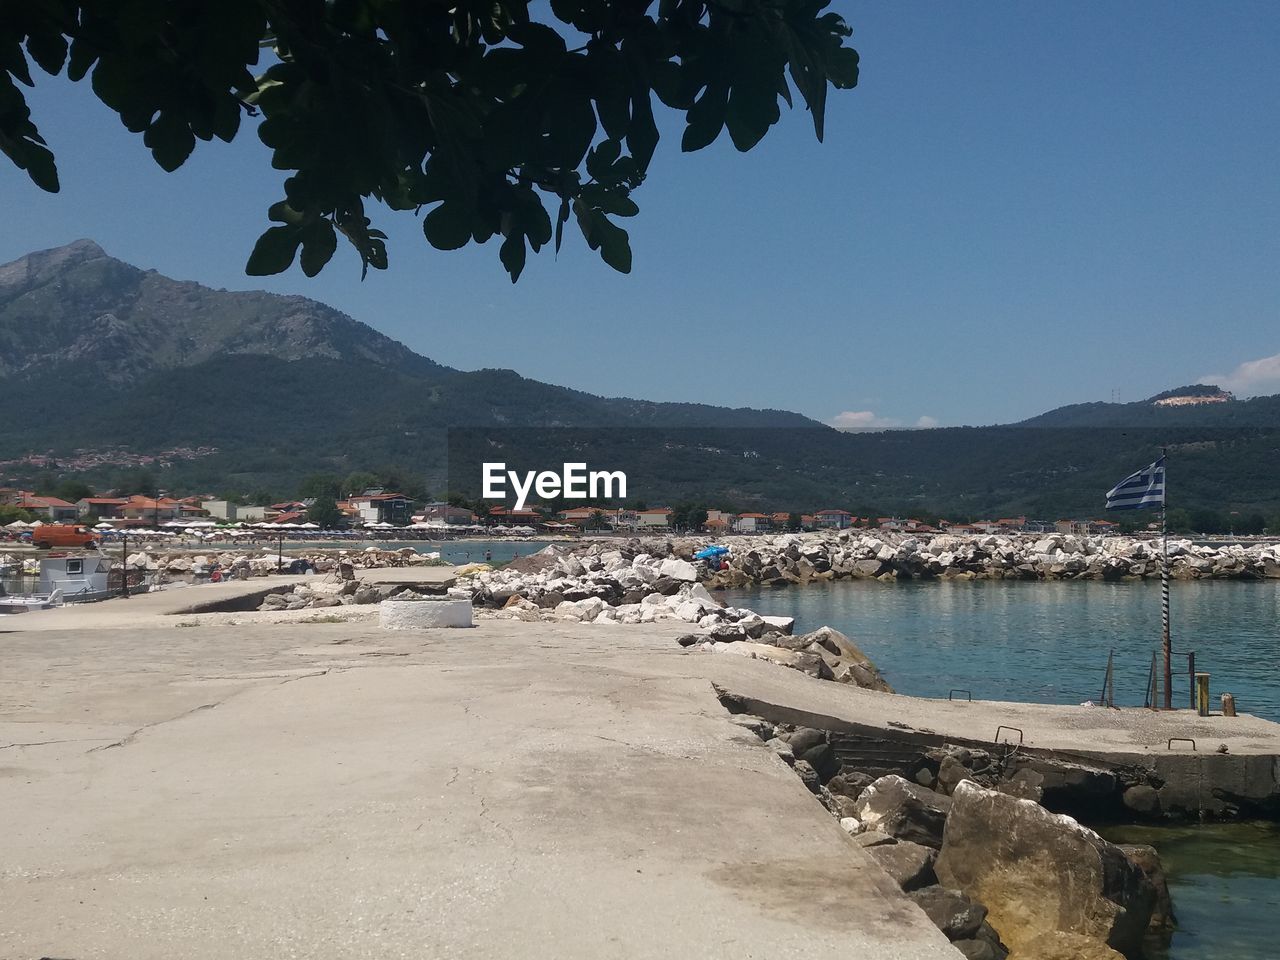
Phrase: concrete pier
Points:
(329, 790)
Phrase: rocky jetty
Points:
(240, 563)
(607, 583)
(858, 555)
(965, 837)
(333, 591)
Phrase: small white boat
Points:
(64, 578)
(23, 603)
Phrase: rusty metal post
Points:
(1202, 694)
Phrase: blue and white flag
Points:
(1142, 489)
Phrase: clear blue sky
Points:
(1020, 206)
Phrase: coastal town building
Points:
(220, 509)
(908, 525)
(289, 516)
(439, 511)
(379, 506)
(718, 521)
(155, 509)
(833, 519)
(46, 508)
(654, 518)
(509, 517)
(101, 508)
(752, 523)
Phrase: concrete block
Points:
(423, 614)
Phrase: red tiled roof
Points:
(30, 500)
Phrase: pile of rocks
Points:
(995, 870)
(264, 564)
(608, 584)
(335, 592)
(851, 554)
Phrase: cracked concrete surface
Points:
(516, 790)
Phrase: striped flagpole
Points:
(1164, 590)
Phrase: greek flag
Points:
(1142, 489)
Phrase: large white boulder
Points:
(423, 614)
(678, 570)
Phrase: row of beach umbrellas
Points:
(208, 528)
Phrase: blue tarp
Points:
(707, 553)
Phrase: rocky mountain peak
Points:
(37, 266)
(77, 306)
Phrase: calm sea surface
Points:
(1048, 642)
(1225, 883)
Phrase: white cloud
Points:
(1253, 378)
(856, 420)
(863, 420)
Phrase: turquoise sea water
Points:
(1047, 642)
(1224, 880)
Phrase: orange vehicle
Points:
(63, 535)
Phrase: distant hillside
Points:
(1155, 412)
(282, 385)
(96, 353)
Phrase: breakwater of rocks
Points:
(262, 564)
(852, 555)
(973, 838)
(611, 583)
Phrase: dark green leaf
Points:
(226, 119)
(318, 246)
(602, 158)
(38, 162)
(642, 136)
(512, 255)
(170, 139)
(572, 126)
(274, 251)
(753, 109)
(448, 226)
(14, 61)
(538, 38)
(281, 212)
(49, 49)
(615, 246)
(706, 118)
(561, 218)
(83, 55)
